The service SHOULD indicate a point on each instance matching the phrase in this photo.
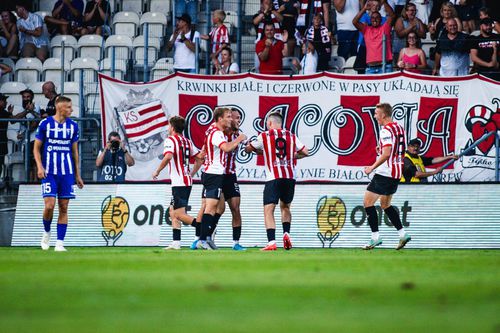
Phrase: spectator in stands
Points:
(408, 22)
(219, 36)
(412, 57)
(414, 164)
(66, 19)
(112, 162)
(467, 12)
(9, 38)
(49, 91)
(373, 36)
(319, 36)
(452, 52)
(189, 7)
(484, 12)
(485, 51)
(268, 13)
(225, 65)
(308, 9)
(184, 40)
(373, 6)
(309, 62)
(5, 69)
(424, 8)
(96, 18)
(271, 51)
(347, 34)
(448, 12)
(30, 111)
(32, 39)
(289, 9)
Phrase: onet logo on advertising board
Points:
(116, 212)
(331, 214)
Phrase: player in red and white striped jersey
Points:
(388, 171)
(281, 149)
(217, 147)
(178, 150)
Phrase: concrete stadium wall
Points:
(437, 216)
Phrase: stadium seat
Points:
(288, 66)
(39, 97)
(162, 6)
(232, 17)
(349, 66)
(89, 46)
(336, 64)
(162, 68)
(28, 70)
(153, 49)
(120, 68)
(126, 23)
(70, 45)
(251, 7)
(52, 68)
(121, 44)
(8, 77)
(87, 67)
(12, 89)
(136, 6)
(156, 24)
(72, 90)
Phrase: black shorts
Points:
(230, 186)
(212, 185)
(279, 189)
(383, 185)
(180, 196)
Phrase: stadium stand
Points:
(121, 44)
(120, 68)
(89, 46)
(349, 66)
(28, 70)
(156, 22)
(126, 23)
(337, 64)
(162, 68)
(70, 46)
(137, 6)
(53, 70)
(12, 89)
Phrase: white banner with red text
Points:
(331, 113)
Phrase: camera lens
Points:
(115, 145)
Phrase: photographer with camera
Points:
(112, 162)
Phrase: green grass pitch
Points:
(303, 290)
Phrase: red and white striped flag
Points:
(144, 121)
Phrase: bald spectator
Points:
(49, 91)
(32, 40)
(452, 52)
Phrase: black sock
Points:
(194, 224)
(271, 234)
(372, 218)
(393, 216)
(236, 233)
(206, 224)
(215, 221)
(197, 231)
(286, 227)
(176, 234)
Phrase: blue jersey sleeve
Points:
(41, 131)
(76, 133)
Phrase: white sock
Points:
(176, 243)
(375, 236)
(401, 232)
(271, 242)
(59, 243)
(235, 242)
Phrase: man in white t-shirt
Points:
(216, 146)
(184, 40)
(32, 39)
(347, 34)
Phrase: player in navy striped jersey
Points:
(281, 149)
(388, 171)
(57, 161)
(178, 150)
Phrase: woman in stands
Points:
(9, 38)
(448, 12)
(225, 66)
(412, 57)
(407, 23)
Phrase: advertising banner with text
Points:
(331, 113)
